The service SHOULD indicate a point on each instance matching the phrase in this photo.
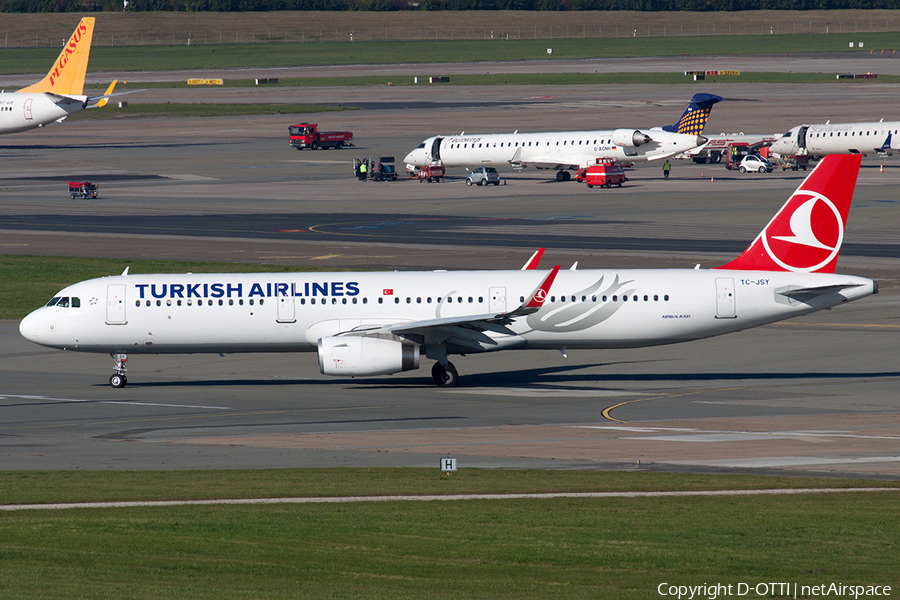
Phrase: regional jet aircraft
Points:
(59, 94)
(566, 150)
(839, 138)
(364, 324)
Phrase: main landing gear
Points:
(118, 379)
(563, 176)
(444, 376)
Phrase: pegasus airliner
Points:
(57, 95)
(566, 150)
(364, 324)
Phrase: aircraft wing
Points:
(101, 101)
(465, 330)
(468, 330)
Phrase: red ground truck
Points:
(603, 174)
(307, 135)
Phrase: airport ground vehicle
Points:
(603, 174)
(735, 154)
(382, 169)
(85, 189)
(483, 176)
(307, 135)
(385, 169)
(755, 163)
(431, 173)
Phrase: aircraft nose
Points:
(29, 327)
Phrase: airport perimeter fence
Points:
(730, 24)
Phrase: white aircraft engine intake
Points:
(357, 355)
(630, 138)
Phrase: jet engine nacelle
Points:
(630, 138)
(357, 355)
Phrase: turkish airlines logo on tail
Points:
(806, 235)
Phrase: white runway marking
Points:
(789, 461)
(449, 497)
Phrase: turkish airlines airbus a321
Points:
(364, 324)
(57, 95)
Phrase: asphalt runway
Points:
(813, 395)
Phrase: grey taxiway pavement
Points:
(814, 394)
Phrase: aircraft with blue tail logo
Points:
(566, 150)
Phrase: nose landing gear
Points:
(118, 379)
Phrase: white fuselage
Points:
(290, 312)
(24, 111)
(839, 138)
(552, 150)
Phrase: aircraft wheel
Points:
(448, 376)
(117, 381)
(560, 175)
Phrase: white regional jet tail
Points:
(371, 323)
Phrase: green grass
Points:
(136, 58)
(29, 487)
(559, 548)
(28, 282)
(136, 109)
(526, 79)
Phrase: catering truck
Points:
(307, 135)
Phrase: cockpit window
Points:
(422, 145)
(788, 134)
(65, 302)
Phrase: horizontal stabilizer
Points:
(796, 293)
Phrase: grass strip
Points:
(559, 548)
(531, 79)
(28, 282)
(139, 58)
(32, 487)
(203, 110)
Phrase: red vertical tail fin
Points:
(806, 234)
